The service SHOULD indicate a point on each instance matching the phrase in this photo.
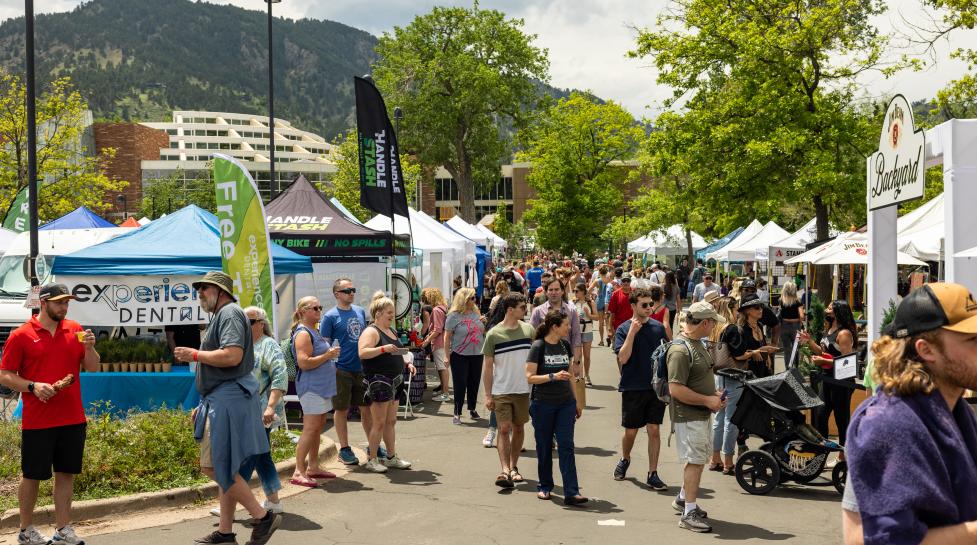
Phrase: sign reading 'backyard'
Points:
(897, 172)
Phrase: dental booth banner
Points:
(134, 301)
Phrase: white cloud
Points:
(587, 39)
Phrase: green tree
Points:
(69, 175)
(345, 183)
(959, 98)
(502, 225)
(576, 148)
(167, 195)
(460, 75)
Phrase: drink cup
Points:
(80, 335)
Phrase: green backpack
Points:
(286, 345)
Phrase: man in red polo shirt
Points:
(42, 359)
(620, 304)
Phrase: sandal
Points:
(716, 466)
(515, 476)
(729, 471)
(543, 495)
(311, 483)
(504, 480)
(321, 474)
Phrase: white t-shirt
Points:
(510, 351)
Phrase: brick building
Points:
(133, 143)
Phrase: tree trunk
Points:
(823, 272)
(466, 186)
(688, 239)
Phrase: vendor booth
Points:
(303, 220)
(499, 244)
(79, 218)
(667, 242)
(744, 248)
(722, 242)
(470, 232)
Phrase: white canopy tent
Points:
(469, 231)
(745, 249)
(921, 232)
(669, 241)
(638, 245)
(499, 242)
(968, 253)
(746, 234)
(849, 248)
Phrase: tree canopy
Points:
(460, 75)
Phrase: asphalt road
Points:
(449, 496)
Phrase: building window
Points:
(445, 189)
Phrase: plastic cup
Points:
(80, 335)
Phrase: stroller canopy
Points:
(786, 391)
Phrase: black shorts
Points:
(640, 408)
(62, 447)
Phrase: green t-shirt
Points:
(696, 373)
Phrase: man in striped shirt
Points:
(506, 350)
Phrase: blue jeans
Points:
(559, 419)
(267, 473)
(724, 432)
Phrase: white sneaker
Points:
(489, 439)
(216, 511)
(276, 508)
(30, 536)
(373, 465)
(396, 462)
(66, 536)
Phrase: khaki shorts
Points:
(349, 390)
(512, 408)
(438, 357)
(206, 459)
(694, 441)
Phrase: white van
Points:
(15, 279)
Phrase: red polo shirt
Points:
(620, 309)
(38, 356)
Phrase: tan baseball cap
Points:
(933, 306)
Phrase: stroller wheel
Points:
(839, 476)
(757, 472)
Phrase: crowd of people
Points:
(527, 343)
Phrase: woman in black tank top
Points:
(383, 367)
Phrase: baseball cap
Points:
(54, 292)
(934, 306)
(220, 279)
(704, 311)
(626, 277)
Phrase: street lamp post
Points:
(272, 182)
(31, 141)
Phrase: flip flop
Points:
(716, 467)
(304, 482)
(543, 496)
(503, 481)
(321, 475)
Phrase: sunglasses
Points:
(316, 308)
(254, 320)
(645, 305)
(347, 291)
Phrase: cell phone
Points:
(723, 397)
(401, 351)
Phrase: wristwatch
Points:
(551, 377)
(30, 387)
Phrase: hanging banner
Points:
(896, 172)
(381, 180)
(778, 272)
(134, 301)
(18, 216)
(245, 248)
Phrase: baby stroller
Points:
(770, 408)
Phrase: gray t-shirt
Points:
(229, 327)
(467, 333)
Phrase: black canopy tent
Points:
(304, 221)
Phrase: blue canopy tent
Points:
(184, 242)
(79, 218)
(701, 254)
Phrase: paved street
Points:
(450, 496)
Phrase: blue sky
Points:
(587, 40)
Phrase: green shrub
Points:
(142, 452)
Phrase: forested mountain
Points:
(141, 59)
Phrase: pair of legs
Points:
(238, 494)
(61, 448)
(724, 432)
(467, 374)
(341, 420)
(586, 347)
(654, 444)
(383, 416)
(444, 374)
(510, 437)
(693, 440)
(600, 325)
(307, 449)
(267, 473)
(788, 336)
(559, 420)
(63, 490)
(642, 409)
(349, 391)
(837, 400)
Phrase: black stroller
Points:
(770, 408)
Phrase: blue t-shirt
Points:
(535, 278)
(345, 326)
(637, 373)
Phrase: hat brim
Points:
(966, 326)
(196, 285)
(59, 297)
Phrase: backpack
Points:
(290, 365)
(659, 367)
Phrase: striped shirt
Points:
(510, 350)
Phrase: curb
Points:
(174, 497)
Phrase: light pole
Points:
(31, 140)
(272, 182)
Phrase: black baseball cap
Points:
(54, 292)
(935, 306)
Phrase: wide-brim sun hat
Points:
(220, 279)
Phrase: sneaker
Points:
(456, 419)
(30, 536)
(276, 508)
(589, 382)
(216, 537)
(489, 439)
(679, 505)
(263, 529)
(396, 462)
(695, 521)
(621, 469)
(474, 415)
(444, 398)
(373, 465)
(216, 511)
(347, 457)
(66, 536)
(655, 482)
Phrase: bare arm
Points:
(365, 346)
(533, 378)
(229, 356)
(303, 352)
(627, 348)
(488, 365)
(686, 395)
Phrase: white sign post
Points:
(896, 173)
